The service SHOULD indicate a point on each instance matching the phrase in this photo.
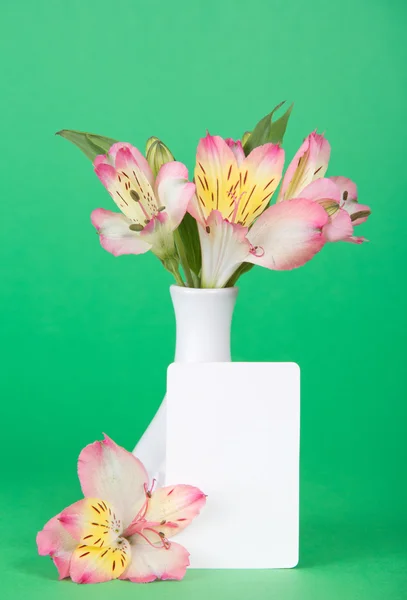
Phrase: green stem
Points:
(183, 258)
(177, 275)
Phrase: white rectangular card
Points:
(233, 431)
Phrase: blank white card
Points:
(233, 431)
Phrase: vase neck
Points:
(203, 319)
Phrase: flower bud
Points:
(245, 137)
(157, 155)
(150, 142)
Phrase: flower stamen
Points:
(257, 251)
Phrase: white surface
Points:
(233, 431)
(203, 319)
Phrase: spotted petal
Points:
(224, 248)
(150, 561)
(110, 472)
(260, 175)
(174, 507)
(54, 540)
(309, 163)
(138, 158)
(90, 564)
(128, 187)
(92, 521)
(288, 234)
(359, 213)
(347, 188)
(216, 177)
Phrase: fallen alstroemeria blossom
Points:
(121, 529)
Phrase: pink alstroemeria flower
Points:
(232, 193)
(305, 178)
(151, 209)
(120, 529)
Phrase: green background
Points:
(86, 337)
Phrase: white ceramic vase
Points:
(203, 322)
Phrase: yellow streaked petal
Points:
(216, 177)
(90, 564)
(260, 174)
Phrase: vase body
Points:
(203, 322)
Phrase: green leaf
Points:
(90, 143)
(244, 268)
(188, 231)
(268, 130)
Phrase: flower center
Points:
(149, 532)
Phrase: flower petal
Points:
(138, 158)
(128, 187)
(149, 562)
(110, 472)
(174, 191)
(309, 163)
(322, 189)
(174, 507)
(92, 521)
(349, 200)
(347, 188)
(216, 176)
(115, 234)
(359, 213)
(237, 149)
(97, 565)
(54, 540)
(339, 227)
(288, 234)
(224, 248)
(260, 175)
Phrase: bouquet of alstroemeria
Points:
(210, 231)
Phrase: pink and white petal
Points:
(97, 565)
(288, 234)
(339, 227)
(92, 521)
(174, 507)
(55, 541)
(159, 233)
(174, 191)
(359, 213)
(101, 159)
(309, 163)
(237, 149)
(322, 189)
(150, 562)
(216, 176)
(346, 187)
(224, 247)
(260, 175)
(107, 175)
(108, 471)
(139, 160)
(195, 210)
(115, 234)
(171, 170)
(127, 165)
